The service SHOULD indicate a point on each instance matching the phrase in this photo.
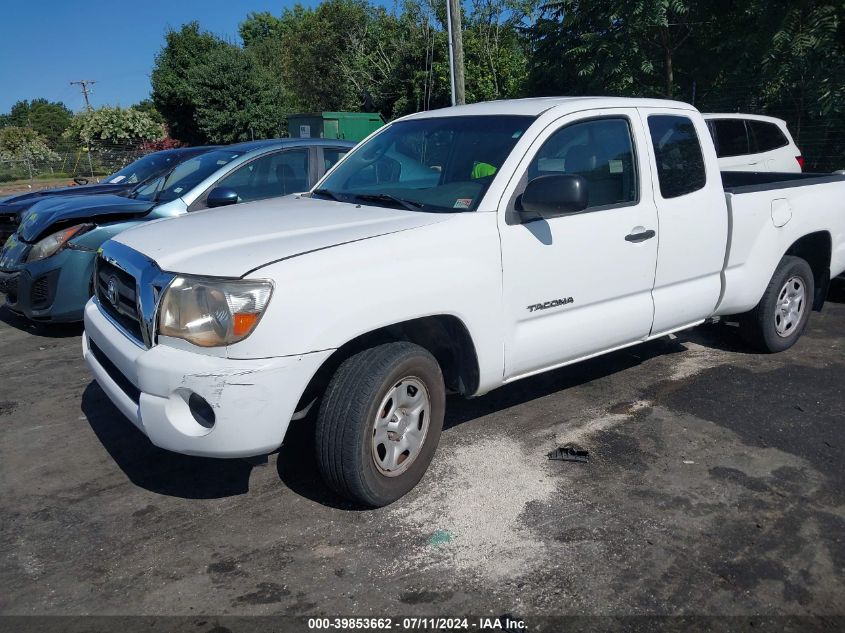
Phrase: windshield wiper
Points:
(410, 205)
(327, 193)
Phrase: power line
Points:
(84, 83)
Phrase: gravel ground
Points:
(716, 487)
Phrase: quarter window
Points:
(601, 151)
(767, 136)
(677, 151)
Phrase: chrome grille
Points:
(137, 283)
(122, 305)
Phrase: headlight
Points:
(52, 244)
(212, 312)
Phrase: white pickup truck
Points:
(454, 250)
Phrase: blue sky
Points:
(45, 44)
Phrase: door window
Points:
(601, 151)
(731, 137)
(677, 151)
(270, 176)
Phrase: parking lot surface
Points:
(716, 486)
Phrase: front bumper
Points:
(54, 289)
(252, 400)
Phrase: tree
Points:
(148, 107)
(610, 46)
(236, 99)
(391, 62)
(113, 126)
(24, 144)
(172, 82)
(49, 119)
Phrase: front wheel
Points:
(779, 319)
(379, 423)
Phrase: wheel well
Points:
(816, 250)
(445, 336)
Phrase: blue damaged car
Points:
(47, 265)
(121, 182)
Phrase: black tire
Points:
(759, 326)
(347, 416)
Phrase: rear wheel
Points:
(779, 319)
(379, 423)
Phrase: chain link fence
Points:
(91, 164)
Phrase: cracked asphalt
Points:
(716, 487)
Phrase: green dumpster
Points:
(350, 126)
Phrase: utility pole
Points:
(84, 83)
(456, 51)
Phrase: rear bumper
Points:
(252, 400)
(52, 290)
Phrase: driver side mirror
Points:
(220, 197)
(553, 196)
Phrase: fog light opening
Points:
(201, 411)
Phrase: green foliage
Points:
(49, 119)
(148, 107)
(780, 57)
(24, 144)
(340, 55)
(113, 126)
(610, 46)
(353, 55)
(235, 98)
(173, 87)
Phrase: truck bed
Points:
(753, 181)
(768, 214)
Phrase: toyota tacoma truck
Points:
(455, 250)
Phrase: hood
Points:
(17, 203)
(234, 241)
(55, 213)
(75, 190)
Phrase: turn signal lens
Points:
(244, 322)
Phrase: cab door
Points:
(687, 188)
(580, 284)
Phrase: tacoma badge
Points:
(550, 304)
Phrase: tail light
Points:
(800, 160)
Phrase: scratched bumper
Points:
(253, 400)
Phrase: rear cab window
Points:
(677, 152)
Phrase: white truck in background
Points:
(454, 250)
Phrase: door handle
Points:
(640, 237)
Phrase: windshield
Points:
(435, 164)
(185, 176)
(144, 168)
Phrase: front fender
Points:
(326, 298)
